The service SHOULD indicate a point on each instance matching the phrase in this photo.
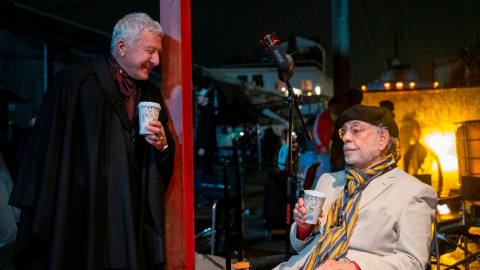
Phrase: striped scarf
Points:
(342, 216)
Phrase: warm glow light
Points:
(297, 91)
(444, 146)
(399, 85)
(443, 209)
(309, 94)
(387, 86)
(412, 85)
(435, 84)
(283, 89)
(241, 133)
(318, 90)
(364, 88)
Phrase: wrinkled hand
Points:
(158, 138)
(300, 214)
(334, 265)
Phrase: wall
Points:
(436, 111)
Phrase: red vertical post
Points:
(176, 66)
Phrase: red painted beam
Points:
(177, 88)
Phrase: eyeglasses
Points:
(354, 130)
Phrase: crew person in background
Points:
(323, 125)
(206, 137)
(323, 129)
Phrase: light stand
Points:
(291, 176)
(286, 69)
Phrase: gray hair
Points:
(393, 143)
(129, 28)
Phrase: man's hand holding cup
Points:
(309, 208)
(150, 127)
(300, 214)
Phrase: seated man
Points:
(375, 216)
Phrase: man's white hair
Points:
(129, 28)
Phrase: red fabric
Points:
(323, 129)
(356, 266)
(126, 84)
(303, 233)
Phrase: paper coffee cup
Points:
(313, 201)
(147, 111)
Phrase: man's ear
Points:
(121, 47)
(384, 138)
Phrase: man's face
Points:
(202, 100)
(141, 56)
(363, 144)
(336, 109)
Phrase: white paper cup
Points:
(147, 111)
(313, 201)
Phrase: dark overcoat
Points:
(91, 189)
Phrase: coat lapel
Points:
(377, 187)
(111, 89)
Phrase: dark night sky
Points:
(428, 29)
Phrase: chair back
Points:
(310, 176)
(425, 178)
(446, 229)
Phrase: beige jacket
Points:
(394, 223)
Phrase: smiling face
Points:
(139, 57)
(202, 100)
(364, 144)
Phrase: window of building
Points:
(307, 85)
(257, 80)
(280, 86)
(242, 77)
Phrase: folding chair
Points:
(470, 188)
(222, 221)
(227, 219)
(452, 233)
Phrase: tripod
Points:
(291, 176)
(286, 69)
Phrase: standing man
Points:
(91, 188)
(206, 139)
(323, 126)
(337, 158)
(375, 216)
(323, 129)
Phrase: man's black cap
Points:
(370, 114)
